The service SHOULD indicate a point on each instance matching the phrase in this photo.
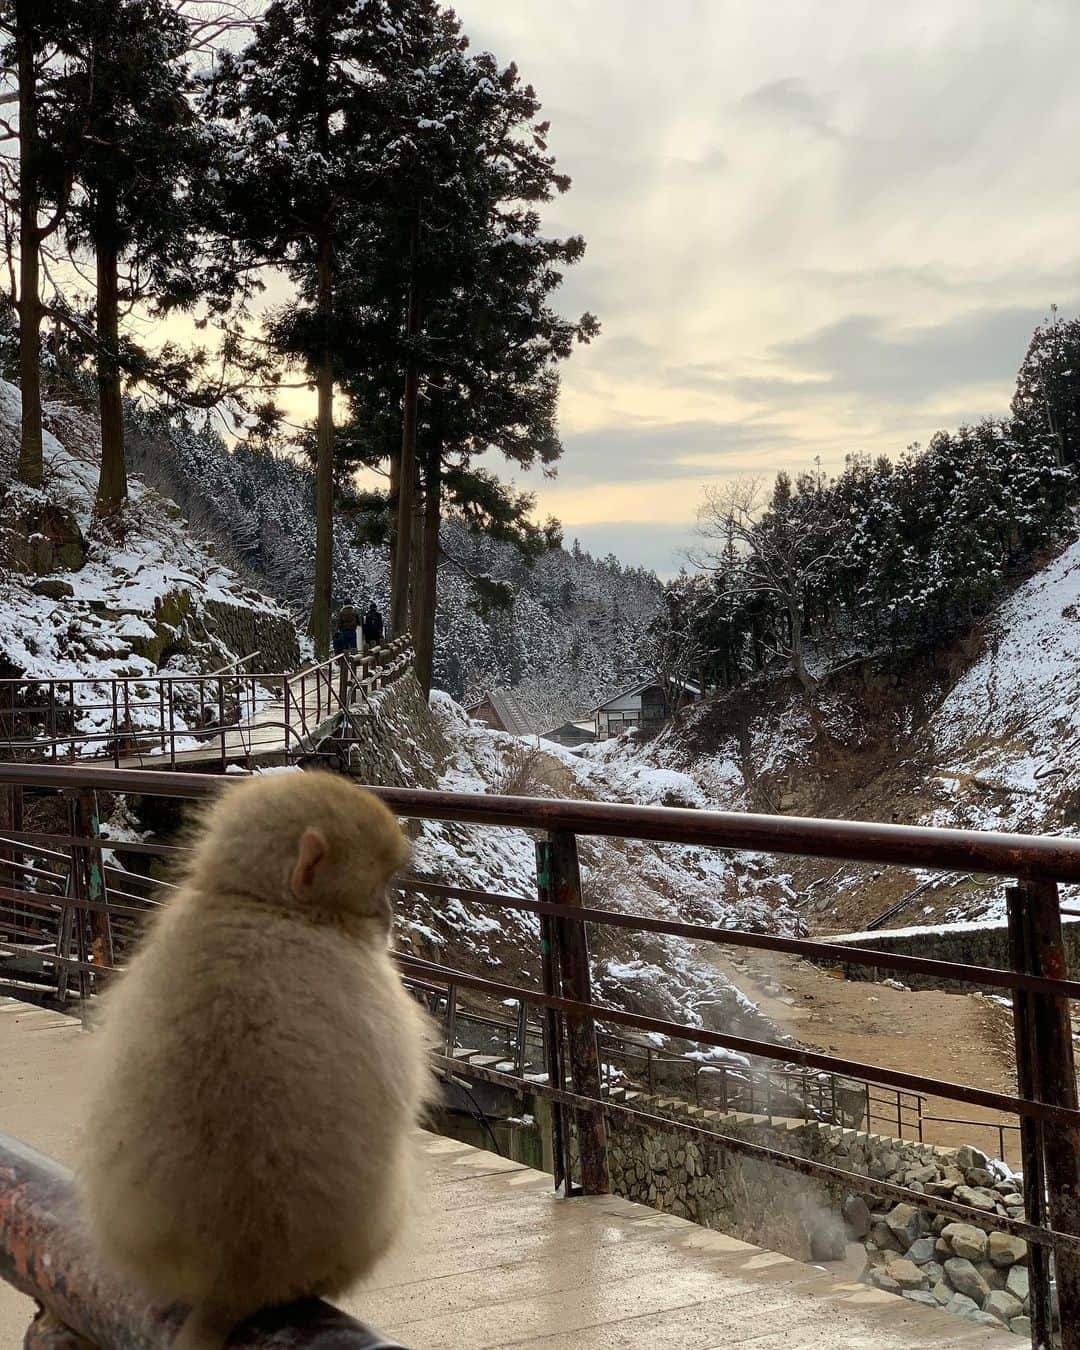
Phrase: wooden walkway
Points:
(493, 1258)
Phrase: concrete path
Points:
(493, 1258)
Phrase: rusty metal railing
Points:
(45, 1255)
(212, 721)
(561, 1000)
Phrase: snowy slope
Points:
(1008, 734)
(138, 605)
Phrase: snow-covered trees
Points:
(889, 555)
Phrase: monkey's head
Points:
(306, 840)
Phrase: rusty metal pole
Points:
(44, 1253)
(88, 822)
(1054, 1080)
(564, 887)
(553, 1060)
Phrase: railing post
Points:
(1046, 1072)
(221, 722)
(553, 1059)
(563, 887)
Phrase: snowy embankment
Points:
(1008, 734)
(651, 973)
(132, 601)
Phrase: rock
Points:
(1018, 1283)
(1013, 1200)
(966, 1241)
(856, 1216)
(880, 1280)
(934, 1271)
(908, 1275)
(968, 1157)
(53, 588)
(943, 1249)
(1003, 1306)
(966, 1280)
(905, 1223)
(979, 1176)
(1006, 1250)
(921, 1296)
(883, 1237)
(976, 1197)
(940, 1221)
(942, 1293)
(1021, 1326)
(921, 1251)
(923, 1174)
(961, 1306)
(993, 1275)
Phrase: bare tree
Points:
(774, 550)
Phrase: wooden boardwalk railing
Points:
(43, 906)
(201, 721)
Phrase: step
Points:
(485, 1061)
(462, 1052)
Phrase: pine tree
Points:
(482, 341)
(314, 105)
(141, 168)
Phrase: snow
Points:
(89, 636)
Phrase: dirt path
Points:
(956, 1037)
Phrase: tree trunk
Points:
(112, 484)
(798, 656)
(399, 599)
(427, 593)
(319, 624)
(31, 466)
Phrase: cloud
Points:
(789, 102)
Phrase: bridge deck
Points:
(494, 1258)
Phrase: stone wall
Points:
(976, 1272)
(400, 744)
(977, 944)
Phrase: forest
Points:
(166, 163)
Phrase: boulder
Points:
(923, 1174)
(943, 1249)
(993, 1275)
(921, 1251)
(857, 1216)
(882, 1236)
(1021, 1326)
(905, 1223)
(966, 1241)
(1018, 1283)
(921, 1296)
(979, 1176)
(1003, 1306)
(942, 1293)
(976, 1197)
(53, 588)
(1006, 1250)
(880, 1280)
(961, 1306)
(968, 1157)
(908, 1275)
(966, 1280)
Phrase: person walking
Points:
(372, 627)
(345, 634)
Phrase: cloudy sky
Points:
(814, 227)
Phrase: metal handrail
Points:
(44, 1255)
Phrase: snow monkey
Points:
(261, 1065)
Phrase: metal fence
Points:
(208, 721)
(96, 902)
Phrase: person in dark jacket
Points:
(373, 626)
(345, 634)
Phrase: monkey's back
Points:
(258, 1080)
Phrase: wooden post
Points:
(101, 939)
(549, 968)
(1047, 1072)
(563, 877)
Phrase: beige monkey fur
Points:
(260, 1066)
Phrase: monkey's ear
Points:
(309, 858)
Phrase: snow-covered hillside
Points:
(142, 599)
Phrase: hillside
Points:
(984, 737)
(150, 596)
(573, 635)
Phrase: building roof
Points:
(686, 685)
(508, 710)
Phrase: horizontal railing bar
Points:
(29, 840)
(50, 959)
(996, 1101)
(735, 937)
(853, 1181)
(48, 1257)
(1012, 855)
